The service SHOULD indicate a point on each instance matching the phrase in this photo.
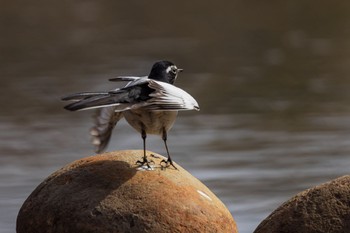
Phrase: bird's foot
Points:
(145, 162)
(167, 163)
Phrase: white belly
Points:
(153, 122)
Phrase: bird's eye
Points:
(172, 69)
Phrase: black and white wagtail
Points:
(149, 104)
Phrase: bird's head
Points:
(164, 71)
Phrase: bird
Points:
(149, 104)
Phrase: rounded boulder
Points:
(324, 208)
(110, 193)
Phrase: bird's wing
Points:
(82, 95)
(122, 99)
(140, 93)
(125, 78)
(132, 80)
(169, 97)
(105, 121)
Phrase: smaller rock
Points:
(324, 208)
(109, 193)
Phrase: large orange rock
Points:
(324, 208)
(109, 193)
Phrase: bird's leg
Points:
(167, 162)
(144, 159)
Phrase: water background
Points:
(272, 80)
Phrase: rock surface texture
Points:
(324, 208)
(109, 193)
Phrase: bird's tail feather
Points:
(105, 121)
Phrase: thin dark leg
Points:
(144, 135)
(144, 159)
(169, 160)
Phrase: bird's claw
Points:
(167, 164)
(146, 162)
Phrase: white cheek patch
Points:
(171, 68)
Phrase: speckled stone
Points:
(324, 208)
(109, 193)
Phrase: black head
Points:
(164, 71)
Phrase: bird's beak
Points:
(179, 70)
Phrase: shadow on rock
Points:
(82, 188)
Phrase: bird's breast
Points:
(153, 122)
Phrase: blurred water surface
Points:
(272, 79)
